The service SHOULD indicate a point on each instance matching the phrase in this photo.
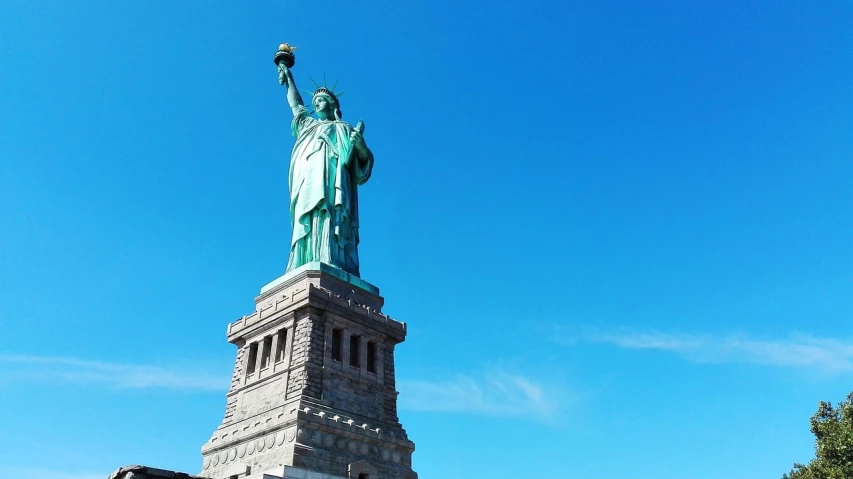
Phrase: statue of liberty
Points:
(328, 161)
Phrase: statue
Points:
(328, 161)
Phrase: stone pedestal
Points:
(313, 387)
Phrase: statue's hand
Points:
(358, 140)
(282, 74)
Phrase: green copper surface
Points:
(328, 162)
(317, 266)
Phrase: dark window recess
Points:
(253, 358)
(280, 345)
(265, 355)
(364, 475)
(354, 356)
(337, 339)
(371, 357)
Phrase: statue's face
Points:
(324, 107)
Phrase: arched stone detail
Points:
(356, 469)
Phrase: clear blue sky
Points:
(619, 231)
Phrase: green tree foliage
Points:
(833, 430)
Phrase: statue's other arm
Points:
(294, 99)
(357, 138)
(363, 156)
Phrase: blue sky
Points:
(619, 232)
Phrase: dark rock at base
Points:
(145, 472)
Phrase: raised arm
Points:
(294, 99)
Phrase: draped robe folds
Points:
(325, 169)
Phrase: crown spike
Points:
(341, 93)
(312, 81)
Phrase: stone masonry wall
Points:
(321, 446)
(236, 381)
(307, 358)
(389, 405)
(357, 396)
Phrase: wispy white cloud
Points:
(498, 394)
(116, 375)
(799, 351)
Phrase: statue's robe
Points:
(325, 169)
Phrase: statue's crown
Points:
(326, 91)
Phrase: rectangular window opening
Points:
(371, 356)
(354, 356)
(364, 475)
(253, 358)
(337, 339)
(280, 345)
(265, 354)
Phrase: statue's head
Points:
(326, 104)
